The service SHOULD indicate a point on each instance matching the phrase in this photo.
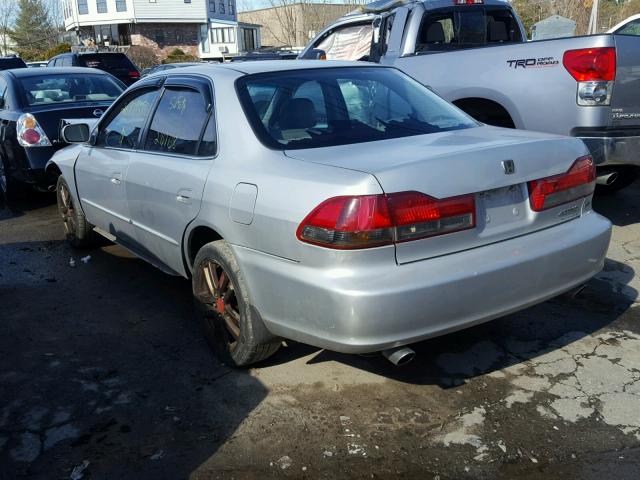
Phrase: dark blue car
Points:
(33, 103)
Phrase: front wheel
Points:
(78, 231)
(232, 328)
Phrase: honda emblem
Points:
(509, 167)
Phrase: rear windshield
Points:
(467, 27)
(47, 89)
(7, 63)
(107, 61)
(338, 106)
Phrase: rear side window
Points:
(123, 130)
(177, 123)
(467, 27)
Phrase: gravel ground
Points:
(104, 375)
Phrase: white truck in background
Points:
(475, 54)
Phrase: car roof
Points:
(263, 66)
(33, 72)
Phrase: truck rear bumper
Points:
(613, 150)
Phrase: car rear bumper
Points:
(613, 150)
(366, 311)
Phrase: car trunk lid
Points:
(51, 118)
(476, 161)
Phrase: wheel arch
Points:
(486, 110)
(195, 238)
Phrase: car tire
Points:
(231, 325)
(626, 176)
(78, 231)
(10, 188)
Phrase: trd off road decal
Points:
(541, 62)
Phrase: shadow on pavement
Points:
(104, 362)
(622, 208)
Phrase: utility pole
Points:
(593, 20)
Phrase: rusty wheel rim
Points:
(219, 294)
(65, 206)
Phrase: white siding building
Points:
(205, 28)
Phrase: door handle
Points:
(116, 178)
(184, 196)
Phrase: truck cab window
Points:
(466, 27)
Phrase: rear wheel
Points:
(624, 176)
(79, 232)
(232, 328)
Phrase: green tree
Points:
(34, 32)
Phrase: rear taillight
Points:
(134, 74)
(468, 2)
(29, 132)
(577, 183)
(595, 70)
(367, 221)
(591, 64)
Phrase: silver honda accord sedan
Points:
(337, 204)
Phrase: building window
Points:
(83, 8)
(223, 35)
(222, 7)
(102, 6)
(160, 37)
(230, 7)
(212, 6)
(121, 5)
(179, 36)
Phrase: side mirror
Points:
(76, 133)
(315, 54)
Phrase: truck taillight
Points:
(595, 70)
(30, 134)
(578, 182)
(366, 221)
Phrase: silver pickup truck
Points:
(475, 54)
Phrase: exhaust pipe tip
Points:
(399, 356)
(607, 178)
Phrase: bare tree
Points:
(8, 11)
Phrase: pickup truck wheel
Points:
(78, 231)
(232, 328)
(625, 177)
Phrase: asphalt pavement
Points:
(104, 374)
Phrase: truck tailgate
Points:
(625, 103)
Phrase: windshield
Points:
(338, 106)
(69, 88)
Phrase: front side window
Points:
(467, 27)
(121, 5)
(101, 5)
(65, 88)
(338, 106)
(177, 123)
(631, 28)
(348, 43)
(123, 130)
(83, 7)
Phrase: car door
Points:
(166, 178)
(101, 168)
